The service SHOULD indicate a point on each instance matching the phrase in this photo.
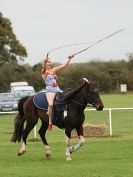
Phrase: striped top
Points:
(51, 82)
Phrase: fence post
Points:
(35, 132)
(110, 122)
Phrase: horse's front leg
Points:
(81, 140)
(42, 133)
(67, 138)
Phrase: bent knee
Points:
(50, 105)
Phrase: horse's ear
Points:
(84, 80)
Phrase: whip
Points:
(91, 44)
(68, 45)
(97, 42)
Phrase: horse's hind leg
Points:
(29, 126)
(42, 133)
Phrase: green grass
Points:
(122, 120)
(99, 157)
(118, 100)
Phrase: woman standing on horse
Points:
(50, 78)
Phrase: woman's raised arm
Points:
(60, 67)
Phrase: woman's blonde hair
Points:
(44, 65)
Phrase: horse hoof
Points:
(68, 158)
(48, 156)
(21, 153)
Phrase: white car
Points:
(22, 91)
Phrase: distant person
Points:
(50, 78)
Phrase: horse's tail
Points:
(19, 121)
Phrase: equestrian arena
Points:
(107, 151)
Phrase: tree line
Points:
(108, 75)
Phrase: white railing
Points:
(110, 115)
(10, 112)
(109, 118)
(105, 109)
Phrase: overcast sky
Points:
(41, 25)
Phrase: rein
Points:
(78, 102)
(81, 103)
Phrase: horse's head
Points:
(91, 94)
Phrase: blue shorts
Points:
(53, 89)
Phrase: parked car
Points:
(8, 102)
(21, 89)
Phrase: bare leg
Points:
(50, 98)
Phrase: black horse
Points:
(75, 102)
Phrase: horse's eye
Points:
(94, 90)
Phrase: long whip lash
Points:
(69, 45)
(98, 42)
(91, 44)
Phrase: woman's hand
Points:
(71, 56)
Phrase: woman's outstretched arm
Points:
(60, 67)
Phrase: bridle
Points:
(84, 104)
(74, 101)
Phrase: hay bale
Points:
(90, 130)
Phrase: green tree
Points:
(14, 72)
(130, 61)
(11, 72)
(10, 48)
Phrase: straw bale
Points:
(90, 130)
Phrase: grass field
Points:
(99, 157)
(118, 100)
